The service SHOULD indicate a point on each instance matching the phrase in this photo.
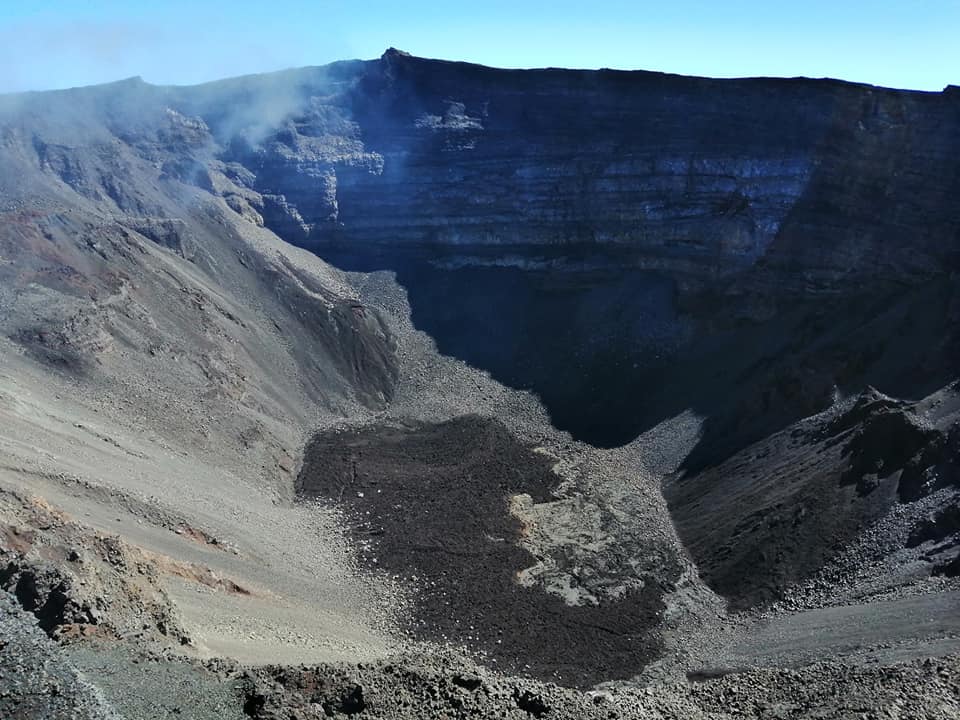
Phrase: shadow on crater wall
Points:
(578, 330)
(607, 348)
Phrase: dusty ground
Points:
(304, 601)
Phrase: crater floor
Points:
(431, 504)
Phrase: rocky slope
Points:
(775, 513)
(218, 450)
(658, 212)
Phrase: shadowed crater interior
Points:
(432, 504)
(581, 327)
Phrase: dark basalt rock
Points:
(951, 568)
(942, 524)
(46, 592)
(430, 503)
(531, 703)
(350, 703)
(884, 444)
(170, 233)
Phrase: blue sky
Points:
(63, 43)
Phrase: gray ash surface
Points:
(432, 502)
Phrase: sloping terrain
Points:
(774, 513)
(407, 388)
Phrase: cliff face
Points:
(580, 232)
(554, 157)
(688, 173)
(883, 201)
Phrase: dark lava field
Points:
(427, 503)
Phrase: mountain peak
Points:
(392, 52)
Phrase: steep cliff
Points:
(686, 172)
(634, 245)
(591, 235)
(130, 258)
(579, 233)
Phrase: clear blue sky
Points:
(63, 43)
